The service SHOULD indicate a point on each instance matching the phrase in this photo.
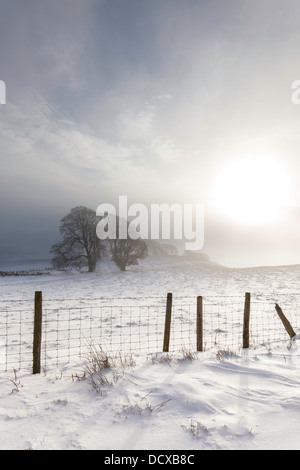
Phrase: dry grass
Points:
(102, 369)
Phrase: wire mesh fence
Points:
(68, 332)
(134, 326)
(16, 333)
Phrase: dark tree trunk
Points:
(91, 265)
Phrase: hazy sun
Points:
(251, 189)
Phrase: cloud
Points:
(147, 99)
(62, 161)
(136, 125)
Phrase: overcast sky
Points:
(146, 98)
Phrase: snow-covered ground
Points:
(214, 400)
(205, 403)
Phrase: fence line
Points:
(150, 326)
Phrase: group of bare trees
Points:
(80, 246)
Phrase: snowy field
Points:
(223, 398)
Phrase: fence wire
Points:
(127, 327)
(68, 332)
(16, 333)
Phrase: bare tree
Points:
(127, 252)
(80, 246)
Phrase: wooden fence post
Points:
(37, 333)
(285, 322)
(168, 323)
(199, 324)
(246, 328)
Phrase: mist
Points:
(149, 100)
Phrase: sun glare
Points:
(251, 189)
